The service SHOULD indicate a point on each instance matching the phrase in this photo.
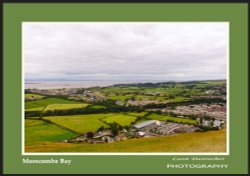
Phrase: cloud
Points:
(125, 51)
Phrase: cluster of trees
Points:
(27, 91)
(86, 110)
(32, 113)
(114, 127)
(207, 128)
(206, 100)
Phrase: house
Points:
(218, 123)
(86, 92)
(120, 103)
(153, 93)
(141, 134)
(31, 99)
(103, 136)
(213, 123)
(146, 124)
(120, 137)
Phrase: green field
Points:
(41, 136)
(172, 119)
(137, 114)
(123, 92)
(98, 107)
(34, 109)
(53, 107)
(91, 122)
(47, 101)
(121, 119)
(80, 123)
(33, 96)
(212, 141)
(120, 97)
(164, 93)
(178, 99)
(180, 92)
(40, 131)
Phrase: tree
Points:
(211, 123)
(114, 127)
(126, 127)
(133, 98)
(101, 128)
(200, 121)
(90, 134)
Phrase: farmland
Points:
(52, 107)
(172, 119)
(33, 96)
(123, 120)
(47, 101)
(34, 109)
(98, 107)
(79, 123)
(91, 122)
(39, 131)
(137, 114)
(164, 117)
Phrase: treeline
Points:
(159, 84)
(110, 106)
(32, 113)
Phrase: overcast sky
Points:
(125, 51)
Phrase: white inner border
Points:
(127, 153)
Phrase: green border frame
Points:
(15, 14)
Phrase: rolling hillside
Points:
(212, 141)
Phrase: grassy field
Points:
(121, 119)
(172, 119)
(53, 107)
(41, 136)
(80, 123)
(180, 91)
(91, 122)
(40, 131)
(121, 90)
(98, 107)
(33, 96)
(178, 99)
(120, 97)
(137, 114)
(212, 141)
(34, 109)
(47, 101)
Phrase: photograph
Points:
(125, 87)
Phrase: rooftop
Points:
(143, 124)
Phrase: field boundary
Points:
(60, 126)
